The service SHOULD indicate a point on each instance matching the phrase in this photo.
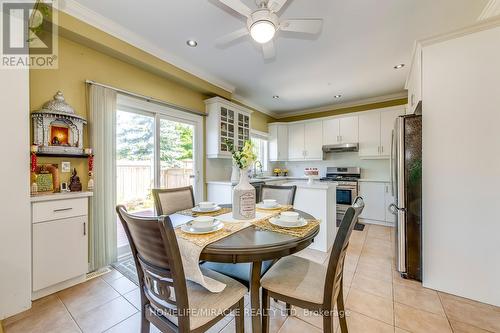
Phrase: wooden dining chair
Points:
(284, 195)
(168, 301)
(171, 200)
(309, 285)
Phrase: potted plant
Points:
(243, 192)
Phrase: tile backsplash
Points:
(373, 169)
(220, 169)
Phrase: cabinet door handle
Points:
(62, 209)
(84, 228)
(381, 149)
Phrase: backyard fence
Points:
(136, 178)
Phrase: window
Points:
(259, 139)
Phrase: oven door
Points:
(344, 196)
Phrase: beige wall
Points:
(81, 59)
(336, 112)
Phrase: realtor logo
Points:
(29, 35)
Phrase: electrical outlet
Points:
(65, 166)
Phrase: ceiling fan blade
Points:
(308, 26)
(269, 50)
(238, 6)
(226, 39)
(275, 5)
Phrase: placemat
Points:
(189, 212)
(280, 209)
(296, 232)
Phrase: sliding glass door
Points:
(156, 147)
(176, 153)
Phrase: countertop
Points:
(374, 180)
(60, 196)
(256, 180)
(315, 185)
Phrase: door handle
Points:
(84, 228)
(62, 209)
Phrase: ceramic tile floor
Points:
(378, 300)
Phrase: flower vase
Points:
(244, 198)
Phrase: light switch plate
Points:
(66, 166)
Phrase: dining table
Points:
(253, 245)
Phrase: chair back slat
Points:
(284, 195)
(339, 250)
(171, 200)
(159, 267)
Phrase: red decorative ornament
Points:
(91, 163)
(33, 162)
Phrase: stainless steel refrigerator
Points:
(406, 179)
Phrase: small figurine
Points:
(74, 182)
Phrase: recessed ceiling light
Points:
(337, 96)
(276, 97)
(192, 43)
(399, 66)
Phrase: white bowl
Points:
(290, 217)
(203, 222)
(207, 205)
(269, 202)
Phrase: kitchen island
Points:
(319, 199)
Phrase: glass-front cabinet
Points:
(227, 124)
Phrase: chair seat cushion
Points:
(298, 278)
(205, 305)
(240, 272)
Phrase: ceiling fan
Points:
(263, 23)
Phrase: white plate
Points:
(197, 209)
(262, 206)
(187, 228)
(279, 223)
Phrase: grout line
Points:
(69, 312)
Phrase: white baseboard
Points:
(57, 287)
(377, 222)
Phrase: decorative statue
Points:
(74, 182)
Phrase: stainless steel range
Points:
(347, 187)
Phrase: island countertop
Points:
(315, 185)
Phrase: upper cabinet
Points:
(375, 132)
(313, 140)
(340, 130)
(414, 80)
(278, 142)
(226, 123)
(305, 141)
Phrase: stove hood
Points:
(341, 148)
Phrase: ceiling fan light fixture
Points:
(262, 31)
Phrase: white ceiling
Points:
(354, 55)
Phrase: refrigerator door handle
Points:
(391, 166)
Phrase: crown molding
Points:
(246, 102)
(114, 29)
(338, 106)
(491, 9)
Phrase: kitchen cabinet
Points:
(296, 142)
(305, 141)
(220, 192)
(59, 242)
(313, 140)
(414, 81)
(375, 132)
(226, 123)
(340, 130)
(377, 197)
(278, 142)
